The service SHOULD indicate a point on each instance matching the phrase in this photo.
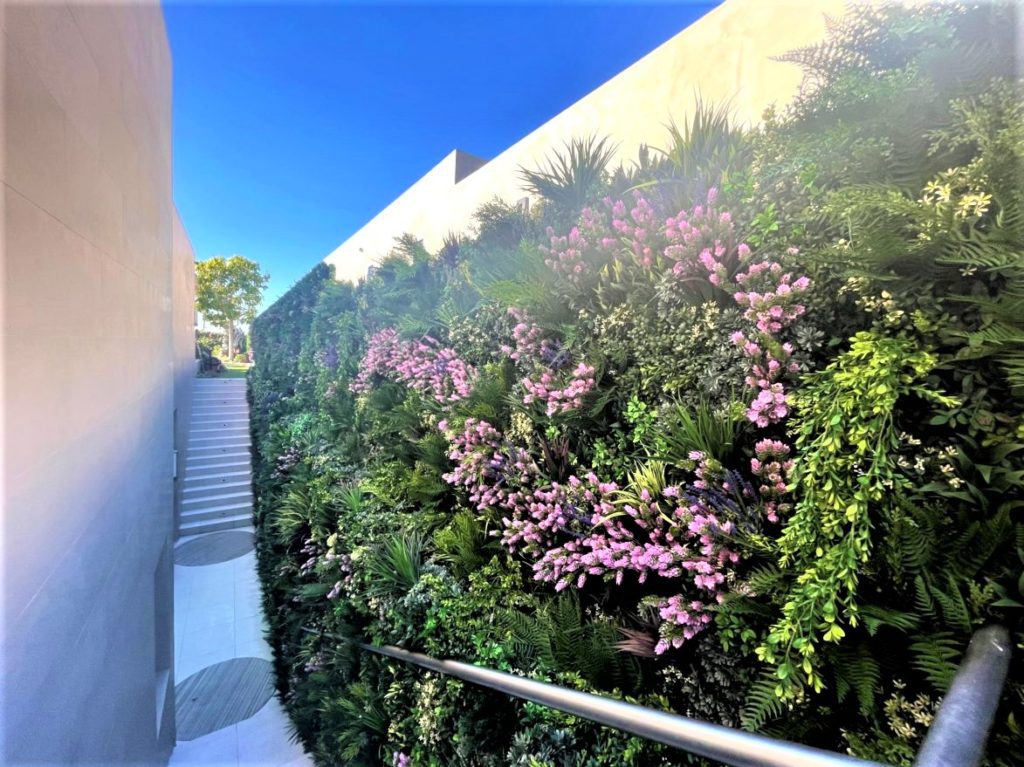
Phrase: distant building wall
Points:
(420, 210)
(96, 293)
(724, 57)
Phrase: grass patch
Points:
(231, 370)
(235, 370)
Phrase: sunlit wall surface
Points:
(725, 57)
(96, 330)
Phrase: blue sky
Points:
(294, 124)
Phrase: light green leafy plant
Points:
(845, 480)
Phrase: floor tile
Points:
(218, 749)
(264, 739)
(219, 616)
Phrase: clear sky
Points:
(295, 124)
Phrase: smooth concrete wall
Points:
(410, 213)
(724, 57)
(185, 364)
(94, 307)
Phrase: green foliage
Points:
(708, 150)
(703, 429)
(671, 350)
(763, 703)
(936, 656)
(500, 226)
(210, 340)
(857, 671)
(462, 544)
(229, 290)
(571, 178)
(278, 335)
(558, 637)
(394, 566)
(892, 182)
(847, 477)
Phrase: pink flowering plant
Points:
(771, 298)
(772, 466)
(589, 245)
(694, 247)
(675, 535)
(488, 467)
(588, 528)
(552, 381)
(423, 365)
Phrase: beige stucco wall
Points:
(96, 290)
(726, 56)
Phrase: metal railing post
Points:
(957, 736)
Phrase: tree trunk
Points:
(231, 340)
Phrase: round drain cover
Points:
(221, 695)
(212, 548)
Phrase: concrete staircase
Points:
(217, 480)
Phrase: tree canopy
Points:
(228, 290)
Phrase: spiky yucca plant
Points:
(571, 177)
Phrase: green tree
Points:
(228, 291)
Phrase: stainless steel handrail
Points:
(958, 734)
(956, 738)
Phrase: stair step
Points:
(202, 448)
(217, 485)
(217, 499)
(218, 512)
(238, 440)
(213, 526)
(238, 475)
(208, 451)
(237, 464)
(220, 423)
(239, 451)
(214, 431)
(193, 493)
(205, 461)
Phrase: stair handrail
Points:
(956, 738)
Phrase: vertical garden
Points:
(736, 430)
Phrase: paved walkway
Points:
(227, 713)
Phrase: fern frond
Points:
(875, 617)
(936, 656)
(951, 602)
(763, 703)
(923, 601)
(856, 669)
(765, 579)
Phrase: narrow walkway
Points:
(227, 712)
